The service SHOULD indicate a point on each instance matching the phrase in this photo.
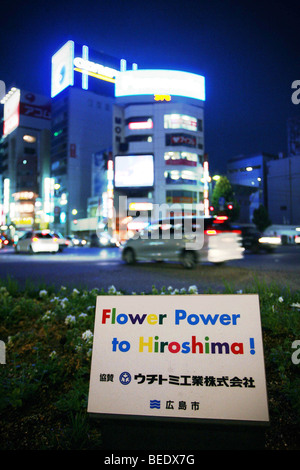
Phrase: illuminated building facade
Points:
(82, 91)
(149, 122)
(25, 160)
(159, 152)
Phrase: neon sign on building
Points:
(65, 63)
(161, 84)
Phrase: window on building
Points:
(181, 197)
(180, 177)
(181, 158)
(139, 138)
(181, 121)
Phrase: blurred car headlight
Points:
(270, 240)
(103, 241)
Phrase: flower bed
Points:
(48, 337)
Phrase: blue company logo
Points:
(125, 378)
(155, 404)
(62, 74)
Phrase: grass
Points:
(44, 383)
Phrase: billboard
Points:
(134, 171)
(160, 82)
(11, 111)
(74, 65)
(35, 106)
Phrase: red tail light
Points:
(6, 242)
(211, 232)
(221, 218)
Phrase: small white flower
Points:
(43, 293)
(70, 319)
(193, 290)
(63, 302)
(183, 290)
(280, 299)
(112, 290)
(296, 305)
(87, 335)
(52, 355)
(239, 291)
(75, 291)
(47, 315)
(175, 291)
(83, 315)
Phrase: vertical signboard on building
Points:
(62, 71)
(11, 111)
(179, 357)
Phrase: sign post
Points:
(194, 359)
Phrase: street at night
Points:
(86, 267)
(149, 228)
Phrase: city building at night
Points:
(284, 180)
(284, 190)
(248, 176)
(25, 160)
(158, 142)
(118, 130)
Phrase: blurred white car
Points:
(220, 242)
(103, 239)
(37, 242)
(76, 241)
(62, 241)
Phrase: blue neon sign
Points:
(62, 71)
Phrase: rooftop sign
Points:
(160, 82)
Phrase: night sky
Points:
(248, 52)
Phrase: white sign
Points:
(160, 82)
(181, 357)
(94, 69)
(11, 111)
